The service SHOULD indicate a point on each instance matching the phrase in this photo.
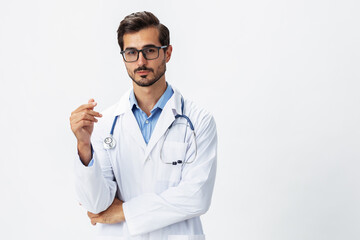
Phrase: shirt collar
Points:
(160, 103)
(133, 100)
(124, 103)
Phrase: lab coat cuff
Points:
(128, 209)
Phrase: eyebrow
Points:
(147, 45)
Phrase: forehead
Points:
(141, 38)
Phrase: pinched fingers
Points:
(85, 114)
(89, 105)
(81, 120)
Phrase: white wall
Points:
(281, 78)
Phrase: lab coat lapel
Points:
(164, 121)
(132, 127)
(167, 116)
(129, 123)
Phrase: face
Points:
(146, 72)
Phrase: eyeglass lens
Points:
(149, 53)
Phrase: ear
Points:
(168, 53)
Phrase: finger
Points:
(89, 214)
(93, 113)
(75, 127)
(96, 220)
(93, 222)
(90, 105)
(85, 116)
(92, 215)
(82, 116)
(91, 100)
(81, 124)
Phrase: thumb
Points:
(91, 100)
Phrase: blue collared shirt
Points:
(147, 124)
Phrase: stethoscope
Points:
(110, 143)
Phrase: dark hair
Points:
(141, 20)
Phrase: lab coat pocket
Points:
(173, 152)
(186, 237)
(169, 174)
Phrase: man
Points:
(147, 170)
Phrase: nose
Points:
(142, 60)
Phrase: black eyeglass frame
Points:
(144, 54)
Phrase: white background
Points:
(281, 78)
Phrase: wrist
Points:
(84, 152)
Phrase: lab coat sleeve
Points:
(190, 198)
(95, 185)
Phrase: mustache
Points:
(143, 68)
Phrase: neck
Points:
(147, 97)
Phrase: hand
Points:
(82, 121)
(82, 125)
(114, 214)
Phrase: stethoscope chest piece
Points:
(109, 142)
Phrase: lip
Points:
(143, 72)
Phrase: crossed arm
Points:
(114, 214)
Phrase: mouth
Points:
(143, 72)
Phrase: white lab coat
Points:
(161, 201)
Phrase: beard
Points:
(145, 81)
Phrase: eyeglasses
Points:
(149, 53)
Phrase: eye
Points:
(150, 50)
(130, 52)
